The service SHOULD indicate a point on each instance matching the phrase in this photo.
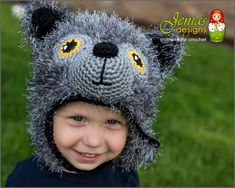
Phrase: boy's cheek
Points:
(117, 142)
(64, 137)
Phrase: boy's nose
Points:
(92, 138)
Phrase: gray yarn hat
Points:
(98, 58)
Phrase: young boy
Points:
(96, 79)
(88, 136)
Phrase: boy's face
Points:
(88, 135)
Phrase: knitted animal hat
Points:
(98, 58)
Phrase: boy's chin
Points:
(87, 167)
(83, 164)
(81, 167)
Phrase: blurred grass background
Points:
(195, 123)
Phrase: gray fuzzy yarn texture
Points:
(64, 66)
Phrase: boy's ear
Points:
(168, 48)
(41, 17)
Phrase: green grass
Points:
(14, 70)
(195, 123)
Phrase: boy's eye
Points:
(112, 122)
(136, 60)
(69, 47)
(77, 118)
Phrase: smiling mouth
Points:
(88, 154)
(87, 157)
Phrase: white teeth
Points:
(87, 155)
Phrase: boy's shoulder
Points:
(28, 173)
(20, 168)
(29, 163)
(126, 178)
(25, 171)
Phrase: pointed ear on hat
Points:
(41, 18)
(168, 48)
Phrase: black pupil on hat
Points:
(69, 46)
(137, 59)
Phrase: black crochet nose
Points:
(105, 49)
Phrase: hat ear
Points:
(168, 49)
(43, 21)
(41, 17)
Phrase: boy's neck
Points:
(69, 171)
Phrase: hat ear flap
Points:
(168, 48)
(40, 19)
(43, 21)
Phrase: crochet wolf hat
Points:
(98, 58)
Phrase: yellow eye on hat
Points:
(136, 60)
(69, 47)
